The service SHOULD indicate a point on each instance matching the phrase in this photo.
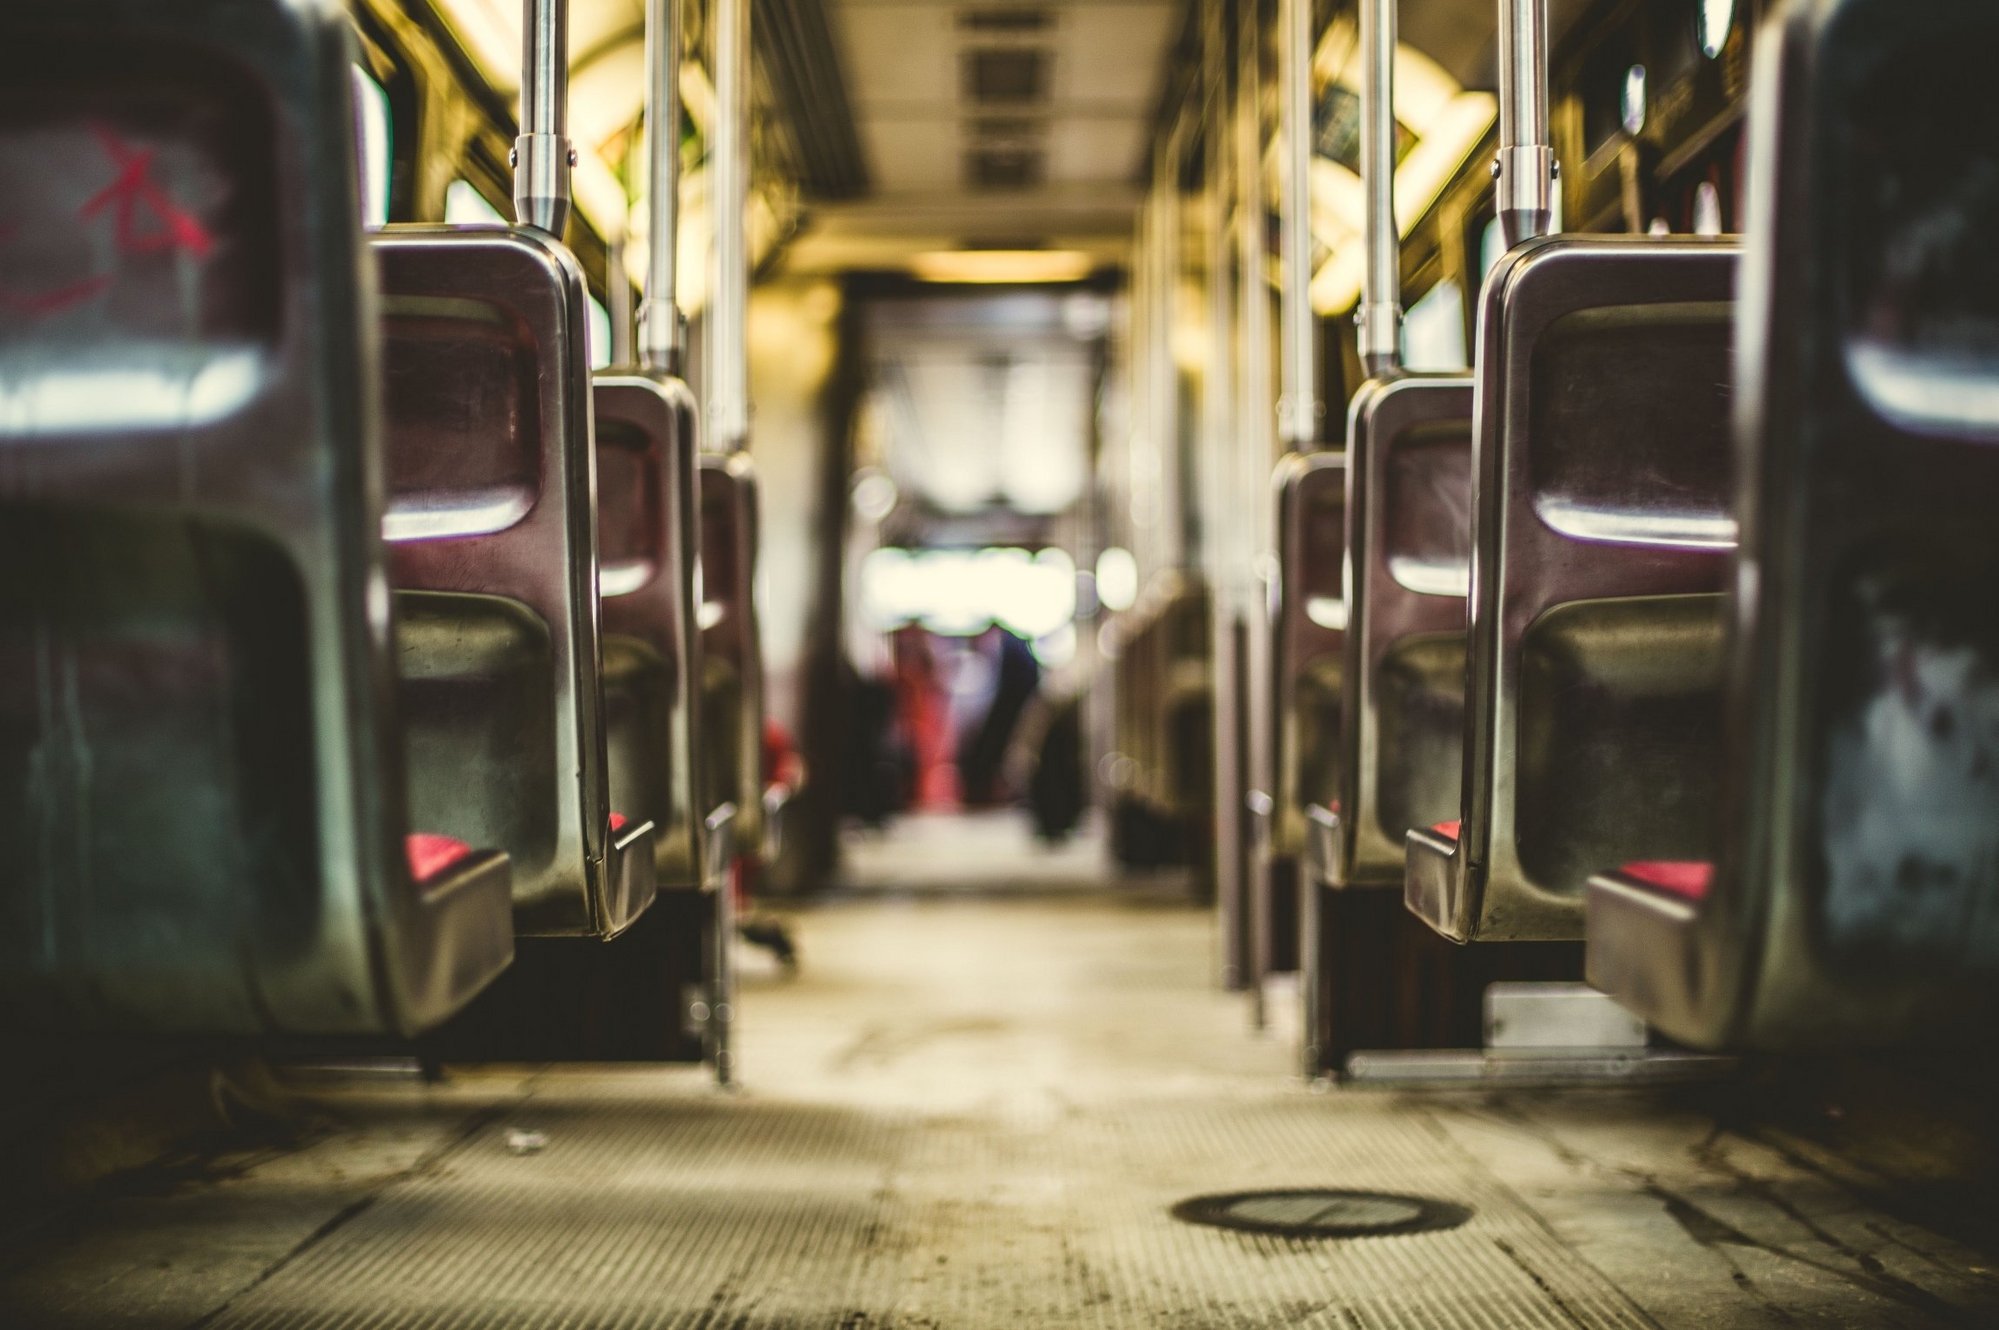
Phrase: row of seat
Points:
(1670, 626)
(349, 625)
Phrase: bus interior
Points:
(767, 664)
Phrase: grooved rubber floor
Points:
(974, 1110)
(700, 1213)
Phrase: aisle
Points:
(975, 1110)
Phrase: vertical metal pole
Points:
(1256, 452)
(719, 1023)
(1222, 434)
(618, 290)
(1298, 413)
(659, 311)
(1217, 394)
(1379, 319)
(1140, 492)
(542, 155)
(1165, 372)
(1298, 408)
(729, 395)
(1526, 167)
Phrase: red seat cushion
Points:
(1686, 878)
(1450, 829)
(431, 854)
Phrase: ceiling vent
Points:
(1012, 19)
(1006, 76)
(998, 168)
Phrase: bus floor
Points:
(974, 1106)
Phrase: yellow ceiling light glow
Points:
(491, 31)
(1448, 123)
(988, 266)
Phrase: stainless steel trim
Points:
(1239, 602)
(1378, 321)
(659, 312)
(1525, 168)
(719, 1033)
(728, 173)
(542, 154)
(1298, 406)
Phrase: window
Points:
(1707, 209)
(464, 205)
(1433, 331)
(376, 135)
(600, 334)
(1632, 103)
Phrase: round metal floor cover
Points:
(1320, 1212)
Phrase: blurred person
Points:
(1016, 680)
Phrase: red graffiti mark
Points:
(134, 187)
(128, 195)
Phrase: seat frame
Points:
(597, 878)
(362, 949)
(1827, 480)
(1297, 639)
(1348, 847)
(1472, 886)
(730, 634)
(657, 605)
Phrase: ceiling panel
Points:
(1113, 53)
(1106, 149)
(898, 54)
(1102, 67)
(912, 154)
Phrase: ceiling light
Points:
(1715, 19)
(1447, 122)
(1633, 102)
(1002, 265)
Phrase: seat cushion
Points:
(1683, 877)
(430, 854)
